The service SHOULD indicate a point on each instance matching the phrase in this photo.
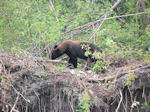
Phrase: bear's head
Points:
(56, 52)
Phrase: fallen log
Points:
(53, 61)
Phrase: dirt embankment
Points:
(28, 85)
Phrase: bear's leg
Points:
(70, 63)
(74, 62)
(88, 63)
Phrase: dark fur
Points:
(73, 50)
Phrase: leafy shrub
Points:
(131, 77)
(84, 105)
(145, 106)
(99, 66)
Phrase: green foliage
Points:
(99, 66)
(30, 24)
(87, 48)
(59, 67)
(31, 70)
(16, 50)
(130, 78)
(124, 42)
(84, 105)
(130, 6)
(144, 43)
(96, 55)
(26, 23)
(145, 106)
(42, 73)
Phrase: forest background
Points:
(27, 25)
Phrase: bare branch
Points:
(121, 98)
(53, 8)
(80, 29)
(54, 61)
(103, 18)
(127, 15)
(13, 108)
(27, 100)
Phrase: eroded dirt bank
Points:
(28, 85)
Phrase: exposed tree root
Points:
(27, 87)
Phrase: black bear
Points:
(74, 50)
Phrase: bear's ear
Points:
(55, 46)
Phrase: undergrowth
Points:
(84, 105)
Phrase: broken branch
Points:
(121, 98)
(54, 61)
(13, 108)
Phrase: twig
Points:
(131, 95)
(13, 108)
(71, 105)
(121, 98)
(2, 67)
(127, 15)
(80, 83)
(136, 94)
(143, 94)
(27, 100)
(10, 29)
(104, 16)
(126, 100)
(50, 1)
(38, 99)
(97, 21)
(97, 29)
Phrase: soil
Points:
(29, 85)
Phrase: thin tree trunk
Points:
(10, 29)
